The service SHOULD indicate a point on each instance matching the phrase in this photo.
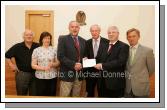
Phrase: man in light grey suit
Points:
(140, 65)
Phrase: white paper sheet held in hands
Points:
(89, 63)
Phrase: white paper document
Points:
(89, 63)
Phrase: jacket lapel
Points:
(100, 48)
(80, 44)
(71, 41)
(113, 47)
(91, 48)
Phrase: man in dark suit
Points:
(70, 53)
(114, 65)
(95, 48)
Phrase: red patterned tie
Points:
(76, 44)
(110, 48)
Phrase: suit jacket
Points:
(100, 54)
(67, 54)
(143, 65)
(114, 66)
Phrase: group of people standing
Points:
(121, 70)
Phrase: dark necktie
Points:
(76, 44)
(110, 48)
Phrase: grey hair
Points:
(113, 28)
(75, 22)
(95, 25)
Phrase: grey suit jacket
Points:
(67, 54)
(138, 72)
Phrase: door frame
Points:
(50, 12)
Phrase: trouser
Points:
(131, 95)
(111, 93)
(25, 83)
(90, 87)
(117, 93)
(70, 88)
(46, 87)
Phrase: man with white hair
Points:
(24, 73)
(95, 49)
(114, 65)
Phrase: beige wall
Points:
(124, 17)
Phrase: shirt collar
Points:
(97, 39)
(75, 37)
(113, 42)
(136, 46)
(24, 45)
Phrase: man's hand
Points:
(13, 67)
(85, 58)
(98, 66)
(78, 66)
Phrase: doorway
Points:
(39, 21)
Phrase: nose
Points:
(110, 35)
(131, 40)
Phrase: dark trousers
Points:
(110, 93)
(25, 83)
(46, 87)
(117, 93)
(90, 87)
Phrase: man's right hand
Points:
(78, 66)
(13, 67)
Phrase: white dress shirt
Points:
(98, 42)
(110, 45)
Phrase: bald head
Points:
(28, 35)
(95, 31)
(28, 31)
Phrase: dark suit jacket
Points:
(67, 54)
(103, 46)
(114, 66)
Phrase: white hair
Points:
(113, 28)
(95, 25)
